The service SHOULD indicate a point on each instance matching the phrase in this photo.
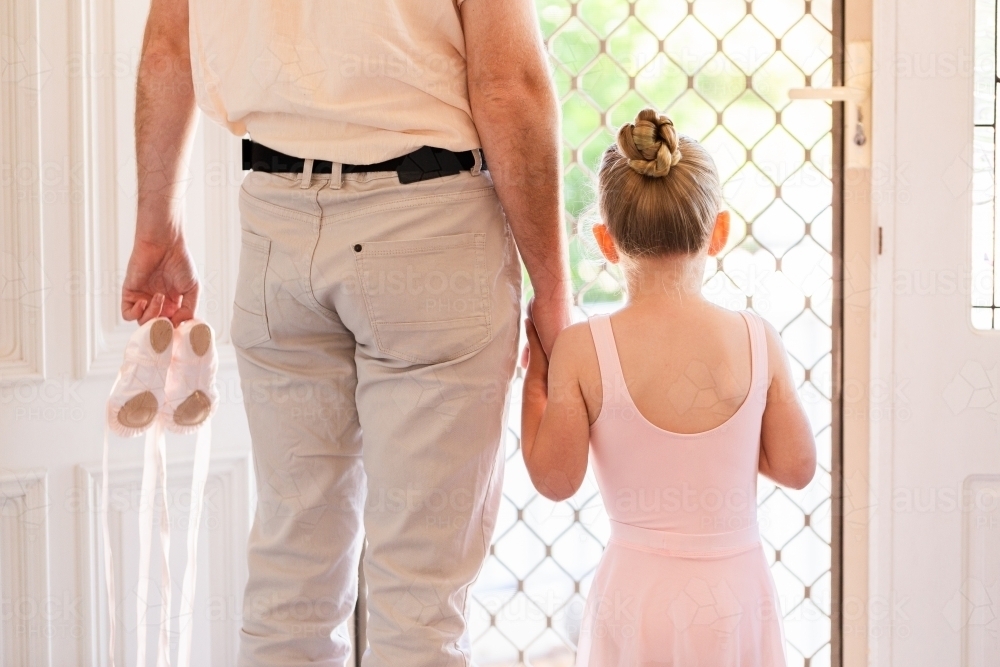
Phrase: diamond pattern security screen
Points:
(985, 281)
(721, 69)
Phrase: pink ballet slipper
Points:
(191, 393)
(137, 396)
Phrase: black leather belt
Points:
(422, 164)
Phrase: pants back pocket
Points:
(428, 299)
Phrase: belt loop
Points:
(477, 155)
(307, 172)
(336, 177)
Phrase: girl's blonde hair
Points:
(658, 192)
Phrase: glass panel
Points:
(986, 61)
(713, 66)
(983, 218)
(985, 281)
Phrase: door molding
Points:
(98, 330)
(229, 485)
(24, 569)
(23, 71)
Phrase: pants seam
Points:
(310, 291)
(267, 207)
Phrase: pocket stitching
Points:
(358, 266)
(479, 344)
(261, 246)
(466, 350)
(403, 325)
(256, 241)
(265, 334)
(478, 241)
(485, 291)
(479, 245)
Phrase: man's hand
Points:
(548, 317)
(161, 281)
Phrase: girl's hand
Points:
(555, 429)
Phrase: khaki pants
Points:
(376, 329)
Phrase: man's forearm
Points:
(165, 115)
(519, 129)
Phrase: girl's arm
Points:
(555, 428)
(787, 447)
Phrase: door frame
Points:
(859, 404)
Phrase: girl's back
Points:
(687, 367)
(676, 438)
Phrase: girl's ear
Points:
(605, 242)
(720, 234)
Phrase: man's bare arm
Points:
(516, 114)
(161, 279)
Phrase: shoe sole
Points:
(160, 335)
(201, 339)
(139, 411)
(196, 407)
(194, 410)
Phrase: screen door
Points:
(721, 69)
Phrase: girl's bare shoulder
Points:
(575, 346)
(576, 352)
(575, 335)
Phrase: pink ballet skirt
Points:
(684, 581)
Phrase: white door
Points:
(67, 206)
(935, 537)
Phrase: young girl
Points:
(680, 403)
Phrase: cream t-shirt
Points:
(353, 81)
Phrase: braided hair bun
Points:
(650, 144)
(646, 213)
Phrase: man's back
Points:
(353, 82)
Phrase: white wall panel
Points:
(975, 609)
(25, 605)
(221, 558)
(23, 71)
